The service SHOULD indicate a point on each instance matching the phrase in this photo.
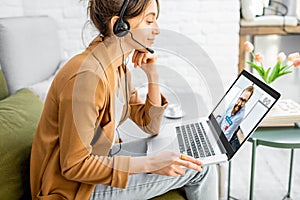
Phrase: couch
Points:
(29, 56)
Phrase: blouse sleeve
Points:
(146, 115)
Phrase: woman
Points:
(71, 154)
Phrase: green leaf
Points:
(274, 73)
(283, 73)
(284, 67)
(259, 69)
(265, 77)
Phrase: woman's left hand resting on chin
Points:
(147, 62)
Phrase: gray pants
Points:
(197, 185)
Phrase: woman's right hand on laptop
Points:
(166, 163)
(170, 163)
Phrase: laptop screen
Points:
(241, 109)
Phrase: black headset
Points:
(122, 26)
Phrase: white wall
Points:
(10, 8)
(213, 24)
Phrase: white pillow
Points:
(26, 44)
(251, 8)
(41, 88)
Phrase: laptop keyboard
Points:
(193, 140)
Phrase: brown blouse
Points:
(64, 164)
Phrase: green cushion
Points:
(19, 116)
(3, 86)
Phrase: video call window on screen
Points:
(241, 109)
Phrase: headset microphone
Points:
(147, 48)
(122, 27)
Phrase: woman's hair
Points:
(101, 11)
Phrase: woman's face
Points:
(144, 27)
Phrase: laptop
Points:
(218, 137)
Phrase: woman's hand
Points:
(171, 164)
(146, 61)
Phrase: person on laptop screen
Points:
(235, 113)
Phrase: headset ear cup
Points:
(121, 27)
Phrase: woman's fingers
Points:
(139, 58)
(190, 159)
(190, 165)
(134, 56)
(173, 164)
(172, 173)
(189, 162)
(180, 171)
(145, 58)
(175, 170)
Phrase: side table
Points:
(277, 137)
